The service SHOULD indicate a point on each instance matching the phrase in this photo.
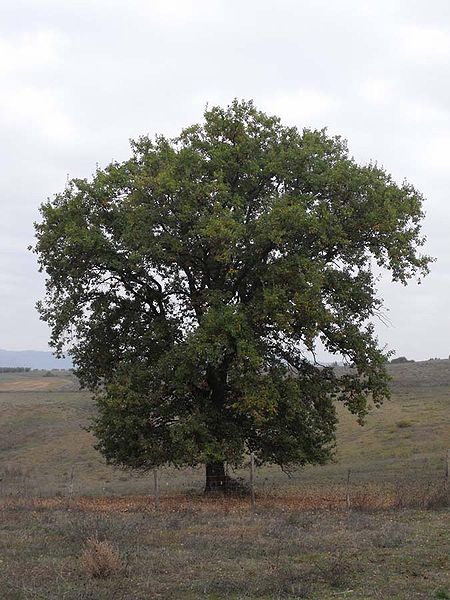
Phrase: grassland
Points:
(61, 507)
(224, 551)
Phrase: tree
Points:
(193, 282)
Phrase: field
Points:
(74, 528)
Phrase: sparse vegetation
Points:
(301, 542)
(403, 424)
(442, 594)
(400, 360)
(216, 550)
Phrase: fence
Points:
(353, 489)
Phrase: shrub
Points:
(442, 594)
(431, 495)
(337, 572)
(391, 535)
(100, 559)
(403, 424)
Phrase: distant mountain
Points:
(34, 359)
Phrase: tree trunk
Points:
(216, 480)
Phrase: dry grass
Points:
(41, 435)
(423, 495)
(104, 539)
(37, 384)
(192, 550)
(100, 559)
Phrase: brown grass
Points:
(100, 559)
(301, 541)
(423, 495)
(41, 434)
(195, 548)
(36, 384)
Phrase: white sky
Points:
(79, 78)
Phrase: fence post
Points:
(71, 485)
(347, 494)
(156, 486)
(447, 475)
(252, 479)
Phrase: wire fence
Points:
(350, 489)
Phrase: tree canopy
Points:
(193, 282)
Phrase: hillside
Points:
(44, 448)
(384, 535)
(34, 359)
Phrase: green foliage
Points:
(442, 593)
(193, 281)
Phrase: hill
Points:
(35, 359)
(74, 528)
(43, 444)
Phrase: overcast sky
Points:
(78, 79)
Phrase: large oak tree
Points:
(193, 282)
